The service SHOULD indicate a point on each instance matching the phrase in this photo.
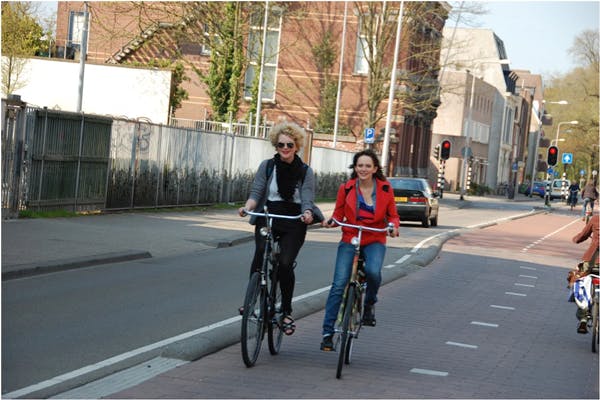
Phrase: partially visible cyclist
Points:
(589, 194)
(287, 186)
(366, 199)
(590, 261)
(573, 193)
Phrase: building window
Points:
(204, 47)
(361, 65)
(271, 53)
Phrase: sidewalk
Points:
(34, 246)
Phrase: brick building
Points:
(295, 77)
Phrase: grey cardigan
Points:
(260, 186)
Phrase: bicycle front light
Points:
(264, 231)
(354, 241)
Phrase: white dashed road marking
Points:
(502, 307)
(484, 324)
(428, 372)
(468, 346)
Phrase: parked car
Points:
(556, 191)
(539, 189)
(415, 201)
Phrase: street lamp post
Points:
(558, 128)
(537, 141)
(548, 178)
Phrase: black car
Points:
(415, 201)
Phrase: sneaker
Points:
(582, 327)
(327, 343)
(369, 315)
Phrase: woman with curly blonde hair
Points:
(287, 186)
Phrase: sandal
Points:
(287, 325)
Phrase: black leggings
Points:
(291, 238)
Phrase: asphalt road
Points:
(65, 321)
(488, 318)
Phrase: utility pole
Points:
(388, 121)
(83, 55)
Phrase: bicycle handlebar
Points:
(267, 214)
(389, 228)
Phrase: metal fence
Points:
(13, 156)
(69, 155)
(62, 160)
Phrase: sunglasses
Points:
(290, 145)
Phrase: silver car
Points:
(415, 201)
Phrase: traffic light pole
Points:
(441, 179)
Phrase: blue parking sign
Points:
(370, 135)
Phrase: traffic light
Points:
(552, 155)
(445, 150)
(436, 152)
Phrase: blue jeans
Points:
(585, 203)
(373, 255)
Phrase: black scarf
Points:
(288, 176)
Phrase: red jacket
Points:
(590, 229)
(385, 211)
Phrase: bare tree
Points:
(585, 47)
(419, 66)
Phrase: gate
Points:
(14, 163)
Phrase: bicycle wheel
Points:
(345, 331)
(275, 333)
(595, 336)
(354, 326)
(253, 320)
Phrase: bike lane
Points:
(487, 318)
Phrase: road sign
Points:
(582, 172)
(466, 152)
(370, 135)
(550, 171)
(567, 158)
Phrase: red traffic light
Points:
(445, 151)
(552, 155)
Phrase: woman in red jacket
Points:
(366, 199)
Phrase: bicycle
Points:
(262, 302)
(593, 311)
(349, 321)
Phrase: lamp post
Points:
(558, 128)
(537, 142)
(466, 152)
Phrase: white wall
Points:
(107, 90)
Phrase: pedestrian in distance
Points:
(367, 199)
(590, 260)
(286, 185)
(589, 194)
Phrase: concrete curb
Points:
(24, 270)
